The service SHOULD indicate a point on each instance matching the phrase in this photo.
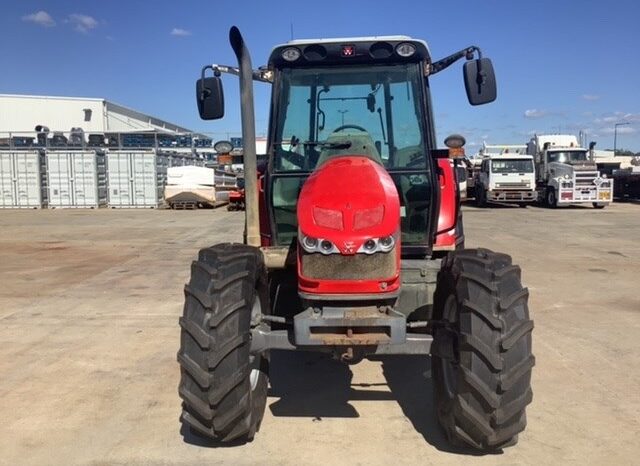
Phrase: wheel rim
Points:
(450, 368)
(255, 360)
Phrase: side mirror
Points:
(480, 81)
(210, 98)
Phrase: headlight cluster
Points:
(323, 246)
(567, 184)
(373, 245)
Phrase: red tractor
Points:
(353, 244)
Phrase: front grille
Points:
(516, 185)
(585, 178)
(357, 267)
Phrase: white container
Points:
(136, 178)
(75, 179)
(21, 180)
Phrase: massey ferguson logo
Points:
(349, 247)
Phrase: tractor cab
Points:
(365, 98)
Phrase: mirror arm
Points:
(451, 59)
(262, 74)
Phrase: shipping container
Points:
(21, 184)
(137, 178)
(76, 179)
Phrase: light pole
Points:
(615, 136)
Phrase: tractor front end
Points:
(349, 231)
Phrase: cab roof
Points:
(349, 50)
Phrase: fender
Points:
(446, 235)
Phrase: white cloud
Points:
(590, 97)
(41, 18)
(82, 23)
(535, 113)
(178, 32)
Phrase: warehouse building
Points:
(22, 113)
(67, 152)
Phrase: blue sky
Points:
(561, 65)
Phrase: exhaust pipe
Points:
(248, 136)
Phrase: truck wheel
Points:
(552, 198)
(481, 197)
(223, 386)
(598, 206)
(481, 351)
(522, 205)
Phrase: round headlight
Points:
(455, 141)
(223, 147)
(369, 245)
(405, 49)
(386, 243)
(604, 175)
(309, 242)
(290, 54)
(326, 245)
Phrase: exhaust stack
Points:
(248, 136)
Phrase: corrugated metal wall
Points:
(76, 179)
(136, 178)
(21, 179)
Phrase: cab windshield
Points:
(568, 156)
(376, 111)
(368, 110)
(512, 166)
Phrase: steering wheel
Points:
(343, 127)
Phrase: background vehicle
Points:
(565, 173)
(237, 196)
(505, 178)
(348, 244)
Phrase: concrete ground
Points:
(89, 306)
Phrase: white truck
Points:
(506, 174)
(566, 174)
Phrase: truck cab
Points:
(566, 174)
(506, 178)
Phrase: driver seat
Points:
(361, 144)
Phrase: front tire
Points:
(481, 197)
(223, 386)
(552, 198)
(481, 352)
(598, 206)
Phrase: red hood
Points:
(348, 200)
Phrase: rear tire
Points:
(223, 387)
(598, 206)
(481, 352)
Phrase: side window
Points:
(284, 194)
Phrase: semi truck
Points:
(566, 173)
(506, 174)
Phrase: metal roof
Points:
(127, 118)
